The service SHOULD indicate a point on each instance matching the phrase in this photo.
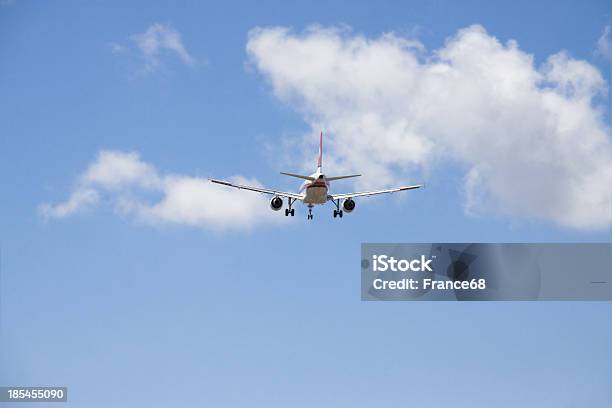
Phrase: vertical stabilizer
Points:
(320, 161)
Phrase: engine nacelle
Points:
(348, 205)
(276, 203)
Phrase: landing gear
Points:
(337, 211)
(290, 210)
(310, 213)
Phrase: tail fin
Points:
(320, 161)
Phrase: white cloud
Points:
(155, 43)
(604, 44)
(157, 39)
(530, 139)
(79, 200)
(114, 169)
(135, 189)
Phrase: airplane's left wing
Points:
(371, 193)
(259, 189)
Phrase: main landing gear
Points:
(310, 212)
(290, 210)
(337, 211)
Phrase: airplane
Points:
(315, 191)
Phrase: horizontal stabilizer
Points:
(341, 177)
(298, 176)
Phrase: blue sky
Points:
(152, 308)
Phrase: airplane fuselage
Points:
(315, 191)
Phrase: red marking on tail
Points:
(320, 150)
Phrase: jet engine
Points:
(276, 203)
(348, 205)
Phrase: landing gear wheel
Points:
(340, 213)
(335, 213)
(290, 211)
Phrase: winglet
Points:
(319, 162)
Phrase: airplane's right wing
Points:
(371, 193)
(260, 190)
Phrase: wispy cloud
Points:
(604, 43)
(117, 48)
(155, 43)
(135, 189)
(79, 200)
(531, 140)
(157, 39)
